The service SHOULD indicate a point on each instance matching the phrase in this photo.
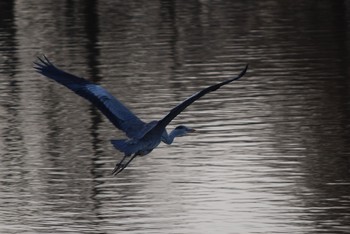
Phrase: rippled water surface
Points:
(271, 151)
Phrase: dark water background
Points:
(271, 152)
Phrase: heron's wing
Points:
(182, 106)
(114, 110)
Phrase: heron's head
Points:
(182, 130)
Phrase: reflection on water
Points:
(271, 154)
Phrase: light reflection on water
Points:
(271, 151)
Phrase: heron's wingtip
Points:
(244, 70)
(41, 63)
(43, 59)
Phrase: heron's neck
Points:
(169, 138)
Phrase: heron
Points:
(142, 137)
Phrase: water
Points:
(271, 152)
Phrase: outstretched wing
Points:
(114, 110)
(182, 106)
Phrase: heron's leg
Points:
(119, 165)
(121, 168)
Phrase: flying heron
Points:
(142, 137)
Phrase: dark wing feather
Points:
(114, 110)
(182, 106)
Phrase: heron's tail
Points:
(125, 146)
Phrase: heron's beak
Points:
(192, 130)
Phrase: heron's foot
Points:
(119, 167)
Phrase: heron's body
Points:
(142, 137)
